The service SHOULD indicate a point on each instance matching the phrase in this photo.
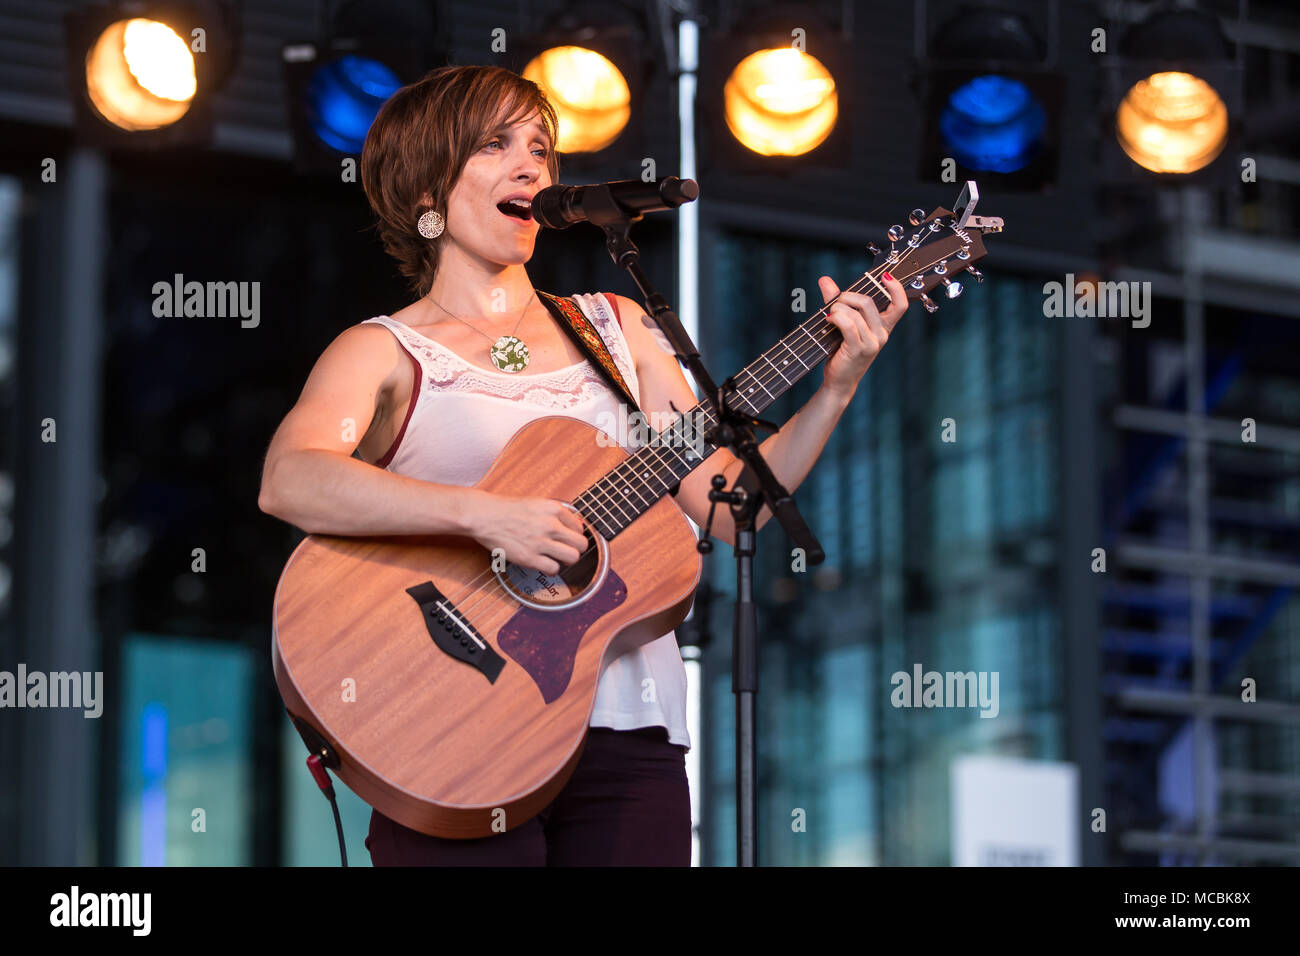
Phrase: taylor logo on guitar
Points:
(473, 683)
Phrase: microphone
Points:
(559, 207)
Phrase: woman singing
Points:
(438, 388)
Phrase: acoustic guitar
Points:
(450, 690)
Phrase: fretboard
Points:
(645, 476)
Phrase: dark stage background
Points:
(1073, 434)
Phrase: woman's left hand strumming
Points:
(865, 330)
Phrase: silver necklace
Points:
(508, 353)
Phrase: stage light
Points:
(594, 61)
(780, 102)
(993, 123)
(336, 83)
(1171, 96)
(143, 74)
(343, 98)
(1172, 123)
(140, 74)
(773, 86)
(994, 106)
(590, 94)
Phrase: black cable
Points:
(338, 825)
(322, 778)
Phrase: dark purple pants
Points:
(627, 804)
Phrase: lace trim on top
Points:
(563, 388)
(447, 372)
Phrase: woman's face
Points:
(512, 163)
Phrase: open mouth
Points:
(520, 209)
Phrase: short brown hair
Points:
(422, 138)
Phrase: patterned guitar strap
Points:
(589, 342)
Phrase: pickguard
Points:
(545, 643)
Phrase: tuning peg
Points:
(916, 216)
(895, 233)
(873, 248)
(951, 289)
(929, 303)
(979, 276)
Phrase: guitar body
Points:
(447, 744)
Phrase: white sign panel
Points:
(1007, 811)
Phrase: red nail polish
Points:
(887, 276)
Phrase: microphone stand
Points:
(754, 487)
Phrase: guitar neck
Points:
(942, 247)
(627, 492)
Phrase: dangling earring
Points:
(430, 225)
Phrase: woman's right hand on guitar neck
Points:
(541, 533)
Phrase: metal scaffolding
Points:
(1197, 703)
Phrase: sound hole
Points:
(568, 586)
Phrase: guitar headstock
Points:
(943, 245)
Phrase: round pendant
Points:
(509, 354)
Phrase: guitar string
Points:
(460, 601)
(859, 285)
(604, 502)
(656, 453)
(814, 346)
(621, 472)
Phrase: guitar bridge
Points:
(454, 634)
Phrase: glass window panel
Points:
(185, 778)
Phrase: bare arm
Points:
(791, 452)
(311, 481)
(326, 493)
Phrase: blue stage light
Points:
(993, 123)
(344, 97)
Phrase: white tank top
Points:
(475, 410)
